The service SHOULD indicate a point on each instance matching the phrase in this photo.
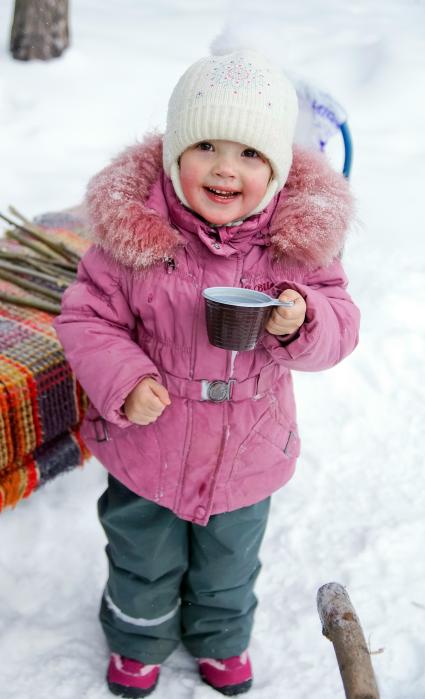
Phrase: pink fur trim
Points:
(311, 220)
(308, 226)
(119, 221)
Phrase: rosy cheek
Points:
(189, 179)
(188, 184)
(189, 174)
(257, 189)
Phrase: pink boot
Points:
(230, 676)
(131, 678)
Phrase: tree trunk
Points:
(40, 29)
(341, 625)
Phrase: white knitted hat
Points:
(235, 97)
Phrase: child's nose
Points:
(225, 167)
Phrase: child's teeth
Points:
(222, 194)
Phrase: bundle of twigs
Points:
(37, 262)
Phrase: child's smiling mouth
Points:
(221, 195)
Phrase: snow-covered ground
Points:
(354, 512)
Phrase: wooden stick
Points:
(27, 234)
(36, 260)
(57, 246)
(21, 269)
(30, 301)
(50, 248)
(341, 625)
(61, 275)
(69, 272)
(30, 286)
(32, 244)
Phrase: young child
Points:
(195, 439)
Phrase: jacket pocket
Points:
(132, 454)
(96, 429)
(269, 444)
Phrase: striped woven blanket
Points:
(41, 403)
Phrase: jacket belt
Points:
(218, 390)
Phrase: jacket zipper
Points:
(236, 278)
(189, 407)
(195, 325)
(220, 456)
(224, 432)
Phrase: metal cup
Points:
(237, 317)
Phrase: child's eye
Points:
(251, 153)
(205, 145)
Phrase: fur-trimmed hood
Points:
(308, 226)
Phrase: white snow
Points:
(354, 512)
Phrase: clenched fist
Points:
(284, 321)
(146, 402)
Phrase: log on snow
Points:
(341, 625)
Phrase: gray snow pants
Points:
(171, 580)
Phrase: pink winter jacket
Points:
(137, 310)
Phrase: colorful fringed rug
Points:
(41, 404)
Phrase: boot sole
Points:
(231, 690)
(130, 692)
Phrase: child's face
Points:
(223, 181)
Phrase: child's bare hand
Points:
(146, 402)
(284, 321)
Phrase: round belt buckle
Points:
(218, 391)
